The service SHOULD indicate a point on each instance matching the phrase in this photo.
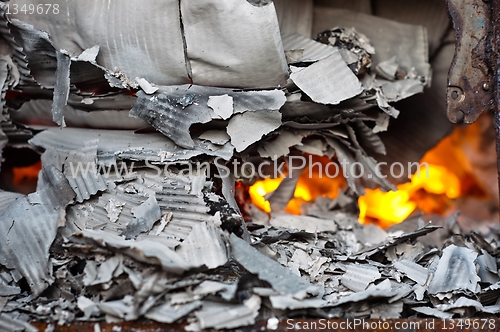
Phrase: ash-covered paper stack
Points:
(125, 99)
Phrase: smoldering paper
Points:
(360, 285)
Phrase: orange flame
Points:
(430, 192)
(260, 189)
(448, 178)
(434, 190)
(310, 186)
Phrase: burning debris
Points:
(154, 167)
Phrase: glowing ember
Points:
(28, 173)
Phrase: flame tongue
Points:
(260, 189)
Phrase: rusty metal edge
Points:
(471, 74)
(495, 21)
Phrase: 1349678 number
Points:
(468, 324)
(31, 9)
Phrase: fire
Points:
(430, 192)
(310, 186)
(449, 178)
(260, 189)
(443, 178)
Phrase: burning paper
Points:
(133, 223)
